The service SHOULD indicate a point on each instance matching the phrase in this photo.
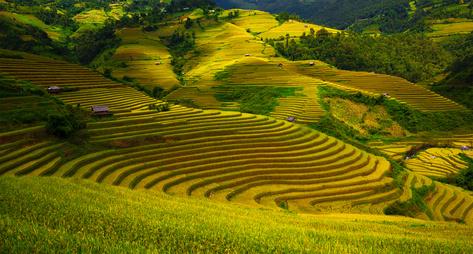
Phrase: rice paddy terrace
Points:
(438, 162)
(228, 156)
(220, 155)
(444, 203)
(142, 56)
(398, 88)
(225, 156)
(87, 88)
(237, 47)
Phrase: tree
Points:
(188, 23)
(91, 42)
(64, 125)
(323, 33)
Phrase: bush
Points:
(410, 119)
(159, 107)
(464, 178)
(64, 125)
(414, 205)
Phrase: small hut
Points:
(54, 89)
(280, 65)
(291, 119)
(311, 63)
(100, 111)
(247, 54)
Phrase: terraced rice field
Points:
(93, 88)
(55, 33)
(395, 151)
(146, 59)
(219, 46)
(294, 29)
(398, 88)
(438, 162)
(254, 20)
(306, 110)
(254, 71)
(201, 97)
(446, 202)
(443, 30)
(226, 156)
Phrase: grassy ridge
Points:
(57, 215)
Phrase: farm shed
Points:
(100, 110)
(54, 89)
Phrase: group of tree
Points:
(88, 44)
(412, 56)
(458, 85)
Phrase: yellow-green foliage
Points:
(448, 27)
(437, 162)
(53, 32)
(56, 215)
(443, 202)
(87, 88)
(363, 118)
(99, 16)
(142, 56)
(255, 21)
(294, 29)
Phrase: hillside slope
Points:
(57, 215)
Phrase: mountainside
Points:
(388, 16)
(179, 126)
(58, 215)
(336, 13)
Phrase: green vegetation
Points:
(58, 215)
(23, 103)
(66, 124)
(464, 178)
(409, 119)
(90, 44)
(411, 56)
(414, 205)
(339, 13)
(259, 100)
(458, 85)
(180, 44)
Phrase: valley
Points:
(211, 131)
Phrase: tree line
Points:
(409, 55)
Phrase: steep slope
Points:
(223, 155)
(339, 13)
(85, 87)
(99, 218)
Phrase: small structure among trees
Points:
(54, 89)
(311, 63)
(100, 111)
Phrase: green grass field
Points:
(54, 32)
(57, 215)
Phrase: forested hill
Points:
(386, 15)
(336, 13)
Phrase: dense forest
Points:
(390, 15)
(81, 44)
(412, 55)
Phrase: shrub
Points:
(64, 125)
(414, 205)
(464, 178)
